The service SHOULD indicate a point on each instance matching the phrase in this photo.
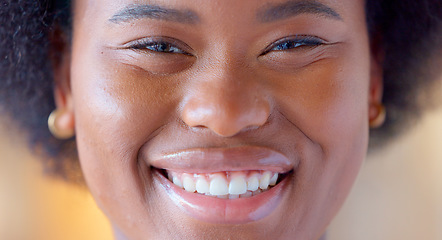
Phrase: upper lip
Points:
(207, 160)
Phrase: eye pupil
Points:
(163, 47)
(158, 46)
(289, 45)
(296, 43)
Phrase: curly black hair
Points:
(408, 31)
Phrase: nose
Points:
(227, 104)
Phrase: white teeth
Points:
(202, 186)
(273, 179)
(265, 180)
(188, 183)
(237, 184)
(176, 180)
(253, 182)
(226, 185)
(218, 185)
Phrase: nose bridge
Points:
(227, 99)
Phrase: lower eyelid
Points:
(156, 62)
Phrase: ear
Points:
(60, 55)
(376, 112)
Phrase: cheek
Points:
(117, 108)
(328, 100)
(328, 103)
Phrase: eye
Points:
(158, 46)
(294, 42)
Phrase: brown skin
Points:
(309, 103)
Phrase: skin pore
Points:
(146, 79)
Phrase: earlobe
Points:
(61, 122)
(377, 115)
(377, 111)
(61, 125)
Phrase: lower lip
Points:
(225, 211)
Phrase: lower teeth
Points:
(235, 196)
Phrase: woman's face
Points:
(219, 97)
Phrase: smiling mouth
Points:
(233, 185)
(226, 184)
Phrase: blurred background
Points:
(398, 195)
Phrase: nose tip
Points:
(226, 116)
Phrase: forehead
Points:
(203, 11)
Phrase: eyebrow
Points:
(292, 8)
(138, 11)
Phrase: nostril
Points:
(225, 113)
(250, 128)
(225, 123)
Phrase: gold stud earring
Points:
(379, 115)
(56, 132)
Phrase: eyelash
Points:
(292, 42)
(159, 46)
(284, 44)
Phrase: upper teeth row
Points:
(220, 184)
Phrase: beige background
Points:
(398, 195)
